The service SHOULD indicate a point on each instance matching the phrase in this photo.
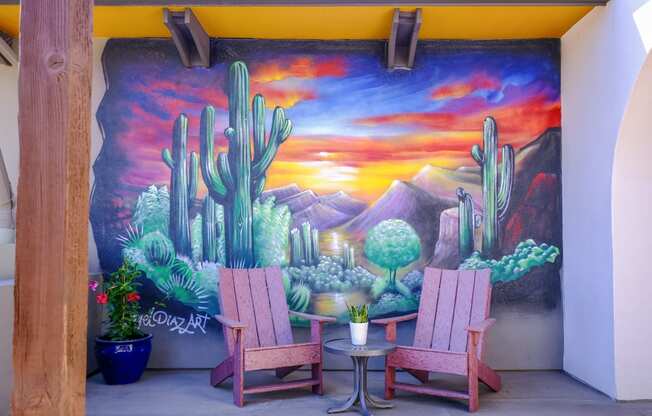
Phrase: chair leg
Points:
(223, 371)
(318, 375)
(238, 373)
(390, 379)
(489, 377)
(474, 401)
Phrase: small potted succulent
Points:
(123, 351)
(359, 324)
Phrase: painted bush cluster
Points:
(226, 200)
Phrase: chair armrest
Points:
(230, 323)
(318, 318)
(387, 321)
(481, 327)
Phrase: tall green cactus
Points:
(296, 256)
(465, 223)
(496, 198)
(183, 188)
(306, 237)
(348, 257)
(236, 179)
(304, 246)
(314, 244)
(210, 230)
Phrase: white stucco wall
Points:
(601, 58)
(9, 126)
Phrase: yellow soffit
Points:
(334, 22)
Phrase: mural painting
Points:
(312, 156)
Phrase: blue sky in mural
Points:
(352, 117)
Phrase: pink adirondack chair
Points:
(451, 323)
(256, 323)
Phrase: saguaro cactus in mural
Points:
(465, 219)
(304, 246)
(211, 229)
(496, 198)
(183, 187)
(236, 179)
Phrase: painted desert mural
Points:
(314, 157)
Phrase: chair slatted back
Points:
(255, 297)
(450, 301)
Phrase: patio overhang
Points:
(333, 19)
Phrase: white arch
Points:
(632, 244)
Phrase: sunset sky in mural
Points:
(358, 127)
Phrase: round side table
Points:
(360, 355)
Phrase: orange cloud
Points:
(286, 98)
(525, 120)
(461, 89)
(299, 67)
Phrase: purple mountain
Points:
(283, 192)
(343, 202)
(407, 202)
(299, 202)
(322, 212)
(320, 216)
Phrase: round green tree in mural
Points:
(392, 244)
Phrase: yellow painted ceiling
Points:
(337, 22)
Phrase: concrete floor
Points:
(187, 393)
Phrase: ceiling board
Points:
(335, 22)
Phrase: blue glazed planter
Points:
(122, 362)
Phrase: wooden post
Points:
(52, 220)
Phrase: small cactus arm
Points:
(465, 223)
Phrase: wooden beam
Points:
(402, 43)
(54, 90)
(190, 38)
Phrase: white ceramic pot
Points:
(359, 333)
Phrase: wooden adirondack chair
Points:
(256, 324)
(451, 323)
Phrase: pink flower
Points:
(93, 284)
(133, 297)
(102, 298)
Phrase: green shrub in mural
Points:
(526, 256)
(237, 178)
(152, 210)
(392, 244)
(495, 197)
(330, 275)
(183, 185)
(271, 225)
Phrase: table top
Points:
(343, 346)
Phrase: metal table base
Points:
(360, 395)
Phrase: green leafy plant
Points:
(392, 244)
(299, 298)
(271, 227)
(122, 299)
(526, 256)
(152, 210)
(358, 314)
